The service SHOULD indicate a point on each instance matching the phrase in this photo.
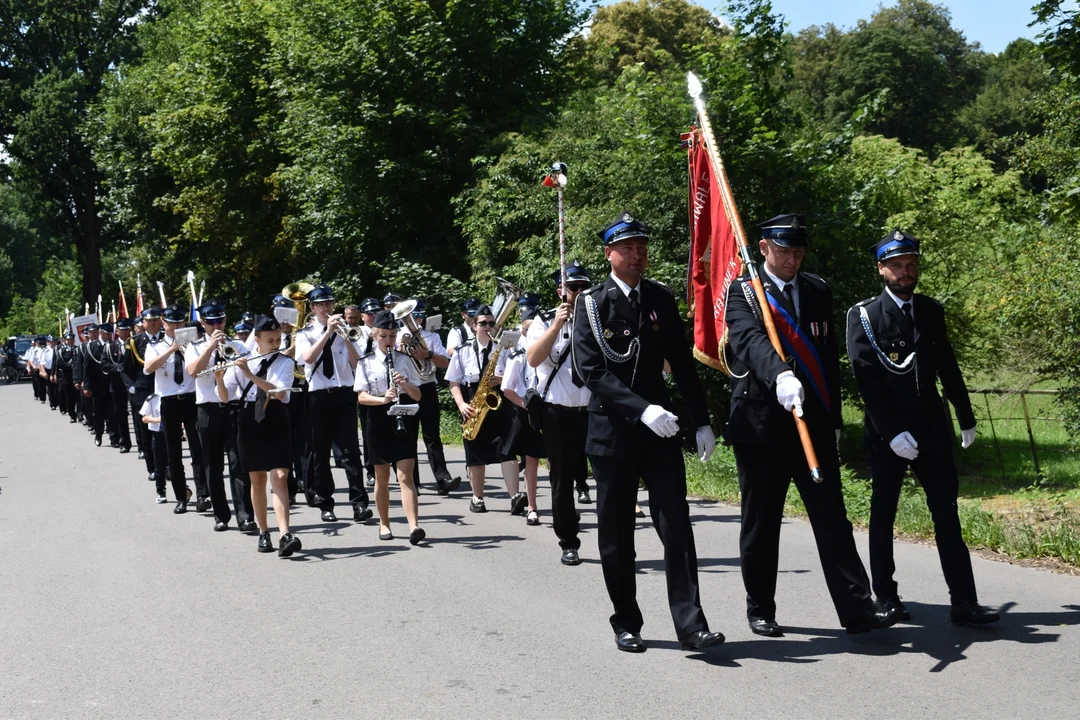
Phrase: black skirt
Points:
(487, 448)
(385, 444)
(522, 439)
(265, 445)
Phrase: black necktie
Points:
(907, 315)
(260, 394)
(486, 353)
(789, 293)
(178, 369)
(632, 296)
(327, 359)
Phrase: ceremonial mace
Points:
(694, 86)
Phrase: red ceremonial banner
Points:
(714, 257)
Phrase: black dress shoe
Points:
(584, 498)
(893, 605)
(288, 545)
(518, 504)
(701, 640)
(360, 514)
(329, 516)
(453, 484)
(248, 526)
(416, 536)
(142, 456)
(265, 543)
(371, 481)
(570, 557)
(181, 508)
(871, 620)
(202, 504)
(970, 613)
(629, 642)
(161, 499)
(765, 628)
(221, 526)
(97, 442)
(125, 450)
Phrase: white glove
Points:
(789, 392)
(660, 421)
(905, 446)
(706, 442)
(967, 437)
(838, 431)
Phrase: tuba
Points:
(486, 398)
(403, 314)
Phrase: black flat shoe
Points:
(450, 486)
(518, 503)
(533, 518)
(477, 506)
(765, 628)
(970, 613)
(248, 526)
(161, 499)
(329, 516)
(361, 514)
(570, 557)
(221, 526)
(288, 545)
(416, 536)
(181, 508)
(701, 640)
(894, 606)
(629, 642)
(265, 543)
(386, 535)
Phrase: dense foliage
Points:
(376, 145)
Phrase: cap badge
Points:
(626, 218)
(898, 235)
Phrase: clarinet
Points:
(390, 382)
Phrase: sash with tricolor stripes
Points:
(799, 345)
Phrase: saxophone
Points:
(486, 398)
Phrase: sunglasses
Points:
(486, 323)
(216, 321)
(577, 287)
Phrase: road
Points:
(113, 607)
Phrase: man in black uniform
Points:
(95, 381)
(140, 386)
(79, 375)
(762, 432)
(624, 330)
(64, 370)
(117, 387)
(899, 349)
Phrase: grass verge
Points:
(1048, 530)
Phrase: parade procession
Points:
(230, 411)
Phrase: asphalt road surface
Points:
(112, 607)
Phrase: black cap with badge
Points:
(575, 272)
(370, 306)
(320, 293)
(151, 313)
(175, 314)
(895, 244)
(788, 230)
(265, 323)
(212, 310)
(624, 228)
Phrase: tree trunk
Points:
(89, 244)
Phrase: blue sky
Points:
(991, 23)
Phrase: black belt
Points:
(567, 408)
(178, 397)
(340, 388)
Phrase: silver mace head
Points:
(559, 169)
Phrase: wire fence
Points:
(1007, 415)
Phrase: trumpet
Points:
(352, 334)
(403, 313)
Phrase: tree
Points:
(53, 58)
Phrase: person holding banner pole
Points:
(761, 430)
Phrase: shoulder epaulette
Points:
(815, 278)
(593, 289)
(547, 315)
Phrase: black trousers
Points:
(660, 463)
(429, 414)
(937, 474)
(120, 418)
(102, 400)
(333, 419)
(216, 426)
(179, 418)
(764, 476)
(38, 383)
(156, 448)
(87, 405)
(142, 435)
(51, 393)
(69, 398)
(565, 432)
(301, 472)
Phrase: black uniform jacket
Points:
(757, 418)
(139, 385)
(91, 373)
(910, 402)
(619, 395)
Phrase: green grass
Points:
(1051, 531)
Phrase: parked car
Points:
(13, 361)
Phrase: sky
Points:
(991, 23)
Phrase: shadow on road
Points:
(372, 551)
(476, 542)
(928, 633)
